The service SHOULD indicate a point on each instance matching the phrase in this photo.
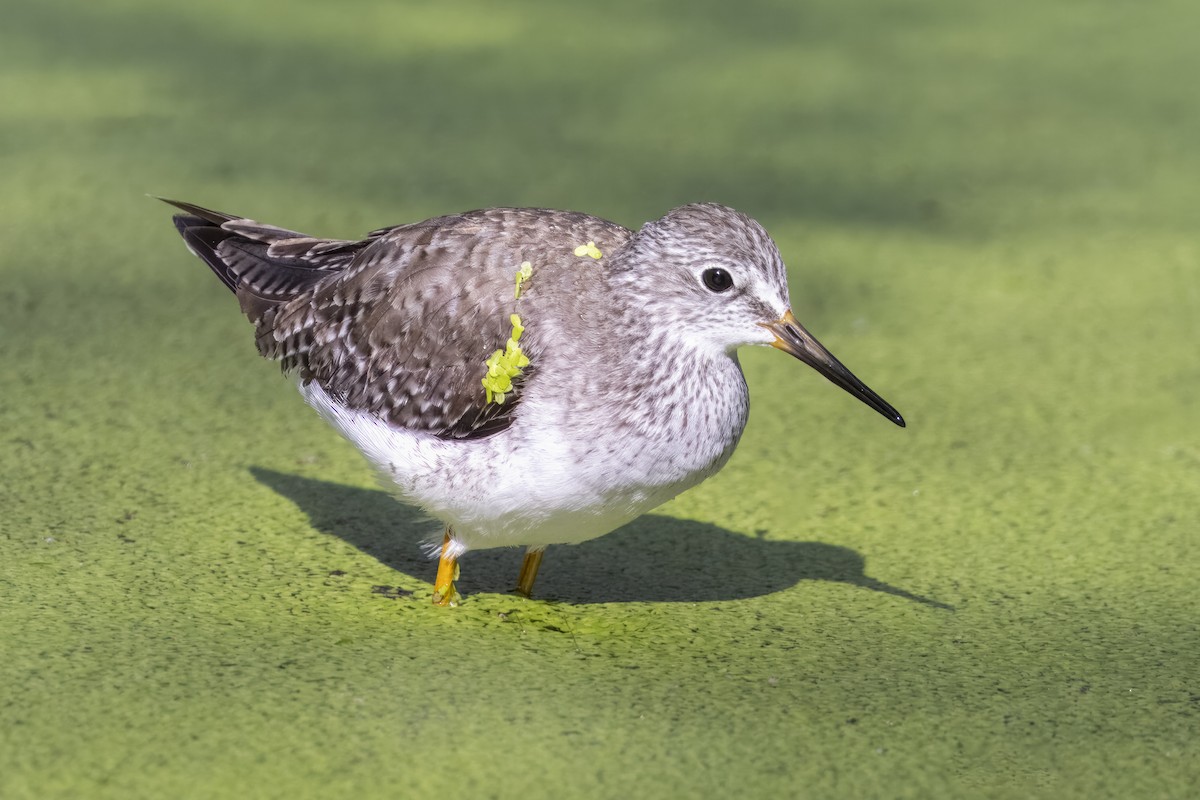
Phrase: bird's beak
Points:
(790, 337)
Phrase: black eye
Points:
(717, 280)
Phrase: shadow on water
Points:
(654, 558)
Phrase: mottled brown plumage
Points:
(399, 324)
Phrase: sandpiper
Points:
(526, 376)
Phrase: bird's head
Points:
(717, 274)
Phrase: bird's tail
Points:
(263, 264)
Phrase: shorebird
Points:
(526, 376)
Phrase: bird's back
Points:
(400, 324)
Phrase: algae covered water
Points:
(988, 213)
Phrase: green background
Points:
(990, 214)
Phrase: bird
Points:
(526, 376)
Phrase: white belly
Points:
(562, 481)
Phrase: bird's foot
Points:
(444, 593)
(529, 571)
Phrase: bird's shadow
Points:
(653, 559)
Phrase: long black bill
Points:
(790, 337)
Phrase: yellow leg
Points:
(529, 571)
(444, 593)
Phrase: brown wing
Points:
(263, 264)
(401, 323)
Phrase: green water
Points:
(989, 213)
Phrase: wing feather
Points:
(398, 324)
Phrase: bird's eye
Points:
(717, 280)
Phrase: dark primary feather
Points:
(399, 324)
(263, 264)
